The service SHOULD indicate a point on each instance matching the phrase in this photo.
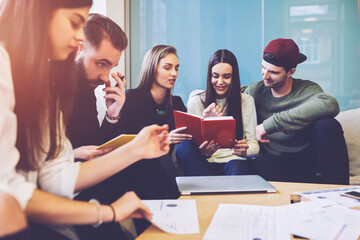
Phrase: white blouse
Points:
(57, 176)
(195, 106)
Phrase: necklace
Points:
(160, 112)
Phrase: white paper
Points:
(333, 194)
(174, 216)
(323, 220)
(248, 222)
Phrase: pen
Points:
(339, 233)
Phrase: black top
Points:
(83, 127)
(140, 110)
(150, 179)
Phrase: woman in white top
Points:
(12, 218)
(37, 167)
(222, 97)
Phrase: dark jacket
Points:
(83, 127)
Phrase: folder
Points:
(118, 141)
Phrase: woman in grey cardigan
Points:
(222, 97)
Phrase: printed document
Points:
(174, 216)
(323, 220)
(333, 194)
(248, 222)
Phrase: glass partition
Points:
(327, 31)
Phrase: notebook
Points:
(118, 141)
(189, 185)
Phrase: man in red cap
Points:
(292, 115)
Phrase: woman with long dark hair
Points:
(222, 97)
(37, 41)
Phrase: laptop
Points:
(192, 185)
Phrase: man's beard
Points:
(277, 85)
(82, 76)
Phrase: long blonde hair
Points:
(149, 67)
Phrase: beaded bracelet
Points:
(112, 118)
(114, 213)
(100, 221)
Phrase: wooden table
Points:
(207, 205)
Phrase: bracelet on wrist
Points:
(114, 213)
(112, 118)
(100, 220)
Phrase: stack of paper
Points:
(323, 219)
(174, 216)
(318, 220)
(245, 222)
(334, 195)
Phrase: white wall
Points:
(116, 10)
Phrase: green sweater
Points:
(285, 117)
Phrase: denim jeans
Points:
(195, 164)
(324, 161)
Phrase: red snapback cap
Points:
(285, 53)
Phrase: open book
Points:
(220, 129)
(118, 141)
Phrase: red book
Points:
(220, 129)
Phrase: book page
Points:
(218, 118)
